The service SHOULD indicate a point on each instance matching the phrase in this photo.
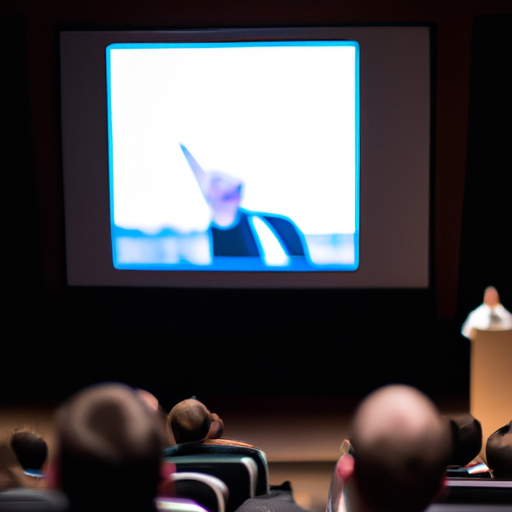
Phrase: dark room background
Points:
(177, 342)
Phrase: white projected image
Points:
(234, 156)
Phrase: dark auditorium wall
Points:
(486, 243)
(338, 343)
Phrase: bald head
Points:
(402, 446)
(107, 433)
(491, 297)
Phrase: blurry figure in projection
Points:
(239, 232)
(489, 316)
(397, 455)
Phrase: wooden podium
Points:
(491, 379)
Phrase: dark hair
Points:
(110, 446)
(499, 452)
(189, 420)
(30, 449)
(467, 439)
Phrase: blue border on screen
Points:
(237, 264)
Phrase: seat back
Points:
(477, 491)
(239, 473)
(476, 471)
(227, 447)
(208, 491)
(178, 505)
(32, 500)
(469, 507)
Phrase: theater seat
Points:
(227, 447)
(469, 507)
(476, 471)
(239, 473)
(206, 490)
(32, 500)
(178, 505)
(477, 491)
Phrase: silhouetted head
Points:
(467, 439)
(401, 447)
(491, 297)
(30, 449)
(109, 446)
(498, 451)
(190, 420)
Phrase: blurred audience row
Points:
(112, 452)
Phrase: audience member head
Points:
(190, 420)
(150, 399)
(400, 450)
(467, 439)
(30, 449)
(491, 297)
(109, 446)
(499, 452)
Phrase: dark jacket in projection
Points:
(239, 240)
